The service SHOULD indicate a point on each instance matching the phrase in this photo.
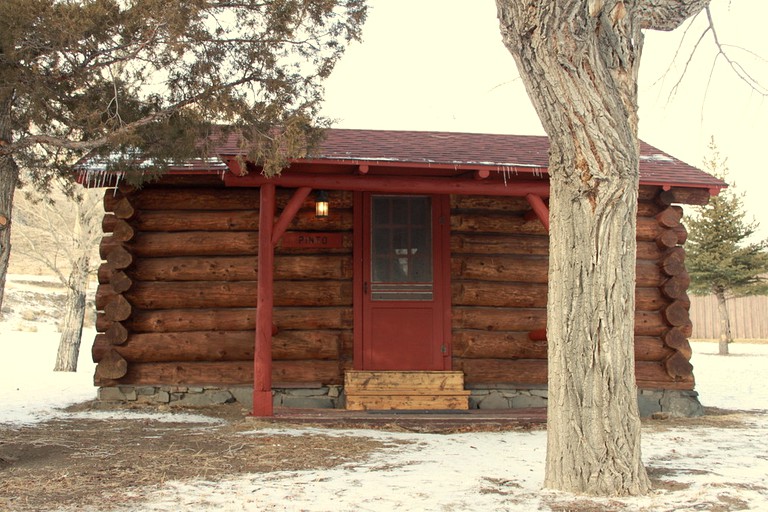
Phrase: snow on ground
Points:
(703, 468)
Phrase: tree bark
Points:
(71, 332)
(72, 326)
(9, 178)
(579, 62)
(725, 323)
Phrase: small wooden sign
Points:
(312, 240)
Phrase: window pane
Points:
(401, 248)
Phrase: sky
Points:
(441, 65)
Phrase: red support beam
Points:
(394, 184)
(289, 212)
(539, 208)
(262, 353)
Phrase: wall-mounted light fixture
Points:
(321, 204)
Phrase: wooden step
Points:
(410, 390)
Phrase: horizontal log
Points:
(531, 269)
(172, 198)
(647, 323)
(228, 220)
(651, 348)
(121, 230)
(510, 295)
(677, 340)
(676, 287)
(111, 197)
(208, 192)
(235, 319)
(227, 373)
(502, 371)
(653, 375)
(199, 180)
(111, 366)
(495, 223)
(115, 253)
(678, 367)
(120, 281)
(667, 239)
(494, 267)
(475, 243)
(531, 295)
(664, 198)
(220, 346)
(648, 208)
(194, 243)
(118, 309)
(649, 374)
(648, 251)
(696, 196)
(649, 230)
(116, 202)
(241, 268)
(473, 344)
(676, 314)
(236, 294)
(490, 204)
(670, 217)
(673, 262)
(683, 195)
(116, 334)
(104, 295)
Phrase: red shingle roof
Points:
(490, 151)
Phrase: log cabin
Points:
(387, 270)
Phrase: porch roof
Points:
(467, 151)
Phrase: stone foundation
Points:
(323, 397)
(651, 402)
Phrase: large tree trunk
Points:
(725, 323)
(579, 61)
(580, 70)
(9, 178)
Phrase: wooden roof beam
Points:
(289, 212)
(395, 184)
(539, 208)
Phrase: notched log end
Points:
(111, 366)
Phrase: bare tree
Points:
(579, 61)
(60, 231)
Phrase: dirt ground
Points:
(73, 463)
(76, 463)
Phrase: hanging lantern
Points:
(321, 204)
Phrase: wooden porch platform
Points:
(480, 419)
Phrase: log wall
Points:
(499, 269)
(177, 291)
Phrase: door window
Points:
(401, 248)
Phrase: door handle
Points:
(365, 287)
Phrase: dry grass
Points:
(76, 463)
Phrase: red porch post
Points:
(262, 353)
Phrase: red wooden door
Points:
(404, 279)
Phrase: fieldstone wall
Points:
(325, 397)
(672, 403)
(493, 397)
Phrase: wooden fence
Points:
(749, 317)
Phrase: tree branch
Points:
(667, 15)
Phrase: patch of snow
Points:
(702, 468)
(657, 157)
